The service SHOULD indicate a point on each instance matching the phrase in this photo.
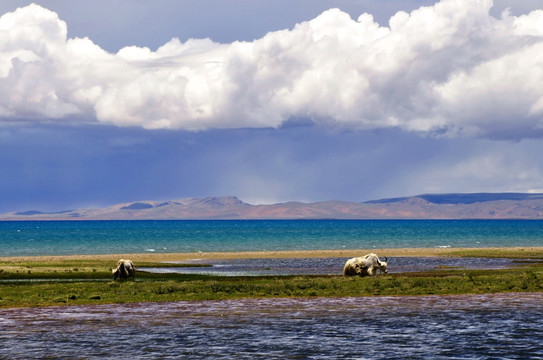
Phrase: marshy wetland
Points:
(70, 308)
(48, 281)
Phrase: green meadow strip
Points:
(81, 282)
(176, 287)
(509, 253)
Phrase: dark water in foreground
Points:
(504, 326)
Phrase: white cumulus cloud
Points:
(449, 68)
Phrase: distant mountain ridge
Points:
(426, 206)
(463, 198)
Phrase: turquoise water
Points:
(106, 237)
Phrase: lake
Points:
(106, 237)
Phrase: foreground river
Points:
(503, 326)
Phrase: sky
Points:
(114, 101)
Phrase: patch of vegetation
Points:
(88, 287)
(508, 253)
(74, 269)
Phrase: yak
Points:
(124, 270)
(366, 265)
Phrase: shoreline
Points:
(347, 253)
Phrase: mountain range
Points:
(427, 206)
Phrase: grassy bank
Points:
(35, 282)
(506, 253)
(191, 287)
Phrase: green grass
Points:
(511, 253)
(32, 284)
(175, 287)
(72, 269)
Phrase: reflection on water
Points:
(504, 326)
(319, 266)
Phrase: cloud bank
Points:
(450, 68)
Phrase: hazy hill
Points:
(465, 198)
(428, 206)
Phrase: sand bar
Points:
(166, 257)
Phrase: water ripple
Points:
(504, 326)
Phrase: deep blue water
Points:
(499, 326)
(103, 237)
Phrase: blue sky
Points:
(114, 101)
